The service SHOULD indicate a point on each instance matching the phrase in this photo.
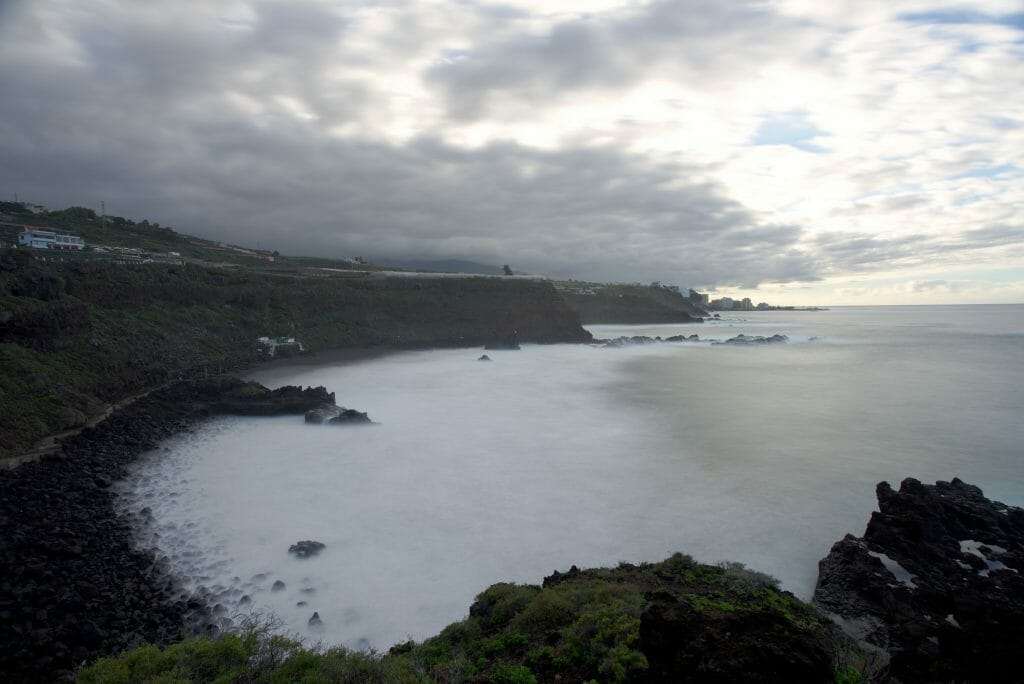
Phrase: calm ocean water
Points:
(560, 455)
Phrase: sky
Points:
(790, 151)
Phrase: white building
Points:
(37, 238)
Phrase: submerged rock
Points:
(335, 415)
(315, 620)
(306, 548)
(630, 341)
(743, 340)
(485, 357)
(936, 584)
(321, 414)
(278, 586)
(349, 417)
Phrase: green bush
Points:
(499, 603)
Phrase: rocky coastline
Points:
(73, 585)
(933, 591)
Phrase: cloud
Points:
(700, 143)
(693, 40)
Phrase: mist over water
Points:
(558, 455)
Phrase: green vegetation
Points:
(76, 336)
(620, 303)
(581, 626)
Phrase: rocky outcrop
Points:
(742, 340)
(335, 415)
(229, 395)
(936, 584)
(322, 413)
(350, 417)
(630, 341)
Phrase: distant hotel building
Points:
(37, 238)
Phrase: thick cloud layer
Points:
(707, 144)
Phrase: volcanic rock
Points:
(349, 417)
(935, 583)
(745, 340)
(306, 548)
(322, 413)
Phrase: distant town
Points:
(729, 304)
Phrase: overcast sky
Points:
(794, 151)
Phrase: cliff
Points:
(77, 336)
(629, 304)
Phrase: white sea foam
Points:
(561, 455)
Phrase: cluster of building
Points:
(730, 304)
(278, 346)
(41, 238)
(60, 241)
(726, 303)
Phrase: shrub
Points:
(499, 603)
(742, 579)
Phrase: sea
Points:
(479, 472)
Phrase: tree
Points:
(507, 269)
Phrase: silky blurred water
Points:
(568, 454)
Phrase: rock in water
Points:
(306, 548)
(323, 413)
(485, 357)
(334, 415)
(315, 621)
(349, 417)
(745, 340)
(936, 583)
(630, 341)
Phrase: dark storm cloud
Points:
(153, 121)
(190, 119)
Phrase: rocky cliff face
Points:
(632, 304)
(935, 586)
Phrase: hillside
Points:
(116, 231)
(76, 336)
(599, 303)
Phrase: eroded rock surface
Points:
(936, 583)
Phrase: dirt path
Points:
(51, 443)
